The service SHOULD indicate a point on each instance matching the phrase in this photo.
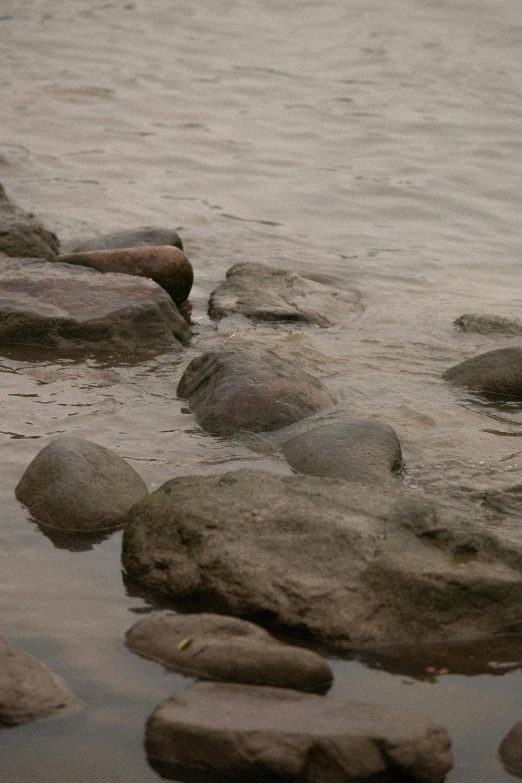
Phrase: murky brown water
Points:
(371, 144)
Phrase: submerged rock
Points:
(248, 730)
(360, 450)
(167, 266)
(64, 307)
(144, 236)
(28, 691)
(216, 647)
(510, 750)
(74, 484)
(22, 235)
(265, 293)
(347, 564)
(496, 373)
(251, 390)
(488, 324)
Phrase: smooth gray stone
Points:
(73, 484)
(22, 235)
(143, 236)
(488, 324)
(244, 729)
(497, 373)
(510, 750)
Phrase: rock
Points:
(496, 373)
(225, 648)
(167, 266)
(63, 307)
(247, 730)
(267, 294)
(28, 691)
(22, 235)
(360, 450)
(74, 484)
(77, 376)
(252, 390)
(488, 324)
(145, 236)
(510, 750)
(347, 564)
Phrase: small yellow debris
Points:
(184, 643)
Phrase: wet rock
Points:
(167, 266)
(251, 390)
(510, 750)
(267, 294)
(497, 373)
(22, 235)
(216, 647)
(248, 730)
(74, 484)
(360, 450)
(63, 307)
(28, 691)
(77, 376)
(347, 564)
(488, 324)
(144, 236)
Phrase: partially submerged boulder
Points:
(167, 266)
(510, 750)
(64, 307)
(347, 564)
(28, 690)
(359, 450)
(74, 484)
(22, 235)
(488, 324)
(250, 731)
(144, 236)
(495, 373)
(217, 647)
(251, 390)
(265, 293)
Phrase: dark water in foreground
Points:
(371, 144)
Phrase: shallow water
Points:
(374, 145)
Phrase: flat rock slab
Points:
(28, 691)
(249, 390)
(144, 236)
(73, 484)
(359, 450)
(496, 373)
(510, 750)
(22, 235)
(168, 266)
(488, 324)
(348, 564)
(216, 647)
(65, 307)
(265, 293)
(248, 730)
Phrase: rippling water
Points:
(373, 145)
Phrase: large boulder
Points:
(64, 307)
(167, 266)
(144, 236)
(348, 564)
(251, 390)
(217, 647)
(28, 690)
(510, 750)
(74, 484)
(359, 450)
(252, 731)
(494, 373)
(488, 324)
(265, 293)
(22, 235)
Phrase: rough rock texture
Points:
(167, 266)
(225, 648)
(348, 564)
(28, 691)
(497, 373)
(359, 450)
(249, 390)
(144, 236)
(74, 484)
(510, 750)
(488, 324)
(22, 235)
(65, 307)
(264, 293)
(244, 730)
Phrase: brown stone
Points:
(495, 373)
(510, 750)
(144, 236)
